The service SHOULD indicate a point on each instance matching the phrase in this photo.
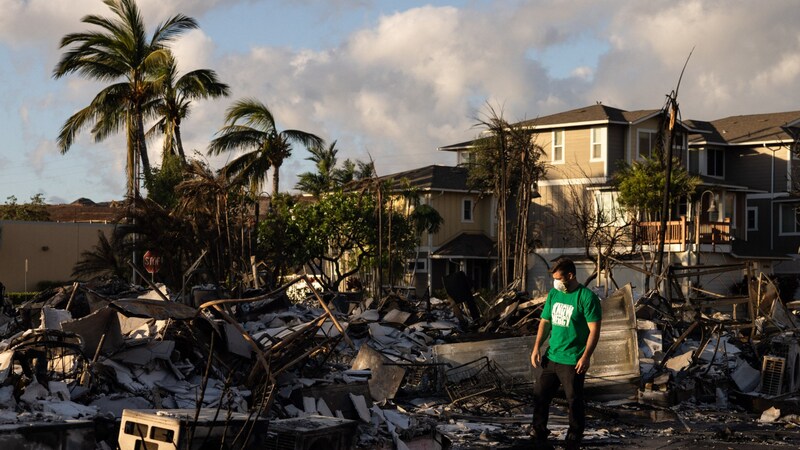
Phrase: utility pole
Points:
(670, 108)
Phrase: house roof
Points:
(85, 210)
(713, 182)
(591, 114)
(749, 129)
(467, 246)
(460, 146)
(432, 177)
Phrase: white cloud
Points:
(745, 58)
(414, 79)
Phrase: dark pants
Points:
(545, 389)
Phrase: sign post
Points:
(152, 262)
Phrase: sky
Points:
(392, 81)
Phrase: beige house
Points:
(743, 209)
(466, 238)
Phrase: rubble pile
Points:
(398, 370)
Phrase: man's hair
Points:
(565, 266)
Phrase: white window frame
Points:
(716, 151)
(781, 232)
(420, 265)
(653, 136)
(561, 146)
(607, 202)
(597, 139)
(753, 209)
(465, 210)
(466, 157)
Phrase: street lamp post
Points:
(712, 207)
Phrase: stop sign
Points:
(152, 261)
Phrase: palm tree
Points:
(325, 177)
(204, 202)
(268, 146)
(118, 52)
(104, 259)
(175, 97)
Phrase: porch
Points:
(683, 232)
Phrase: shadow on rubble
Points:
(112, 364)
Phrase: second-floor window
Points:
(558, 146)
(646, 143)
(715, 162)
(466, 210)
(790, 219)
(752, 218)
(596, 145)
(467, 157)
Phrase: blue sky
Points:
(394, 80)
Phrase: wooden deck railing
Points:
(682, 231)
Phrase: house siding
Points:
(552, 215)
(448, 204)
(752, 167)
(616, 149)
(577, 147)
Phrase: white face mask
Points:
(559, 285)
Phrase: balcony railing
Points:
(682, 231)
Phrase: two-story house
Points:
(758, 151)
(742, 209)
(464, 241)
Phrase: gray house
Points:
(744, 209)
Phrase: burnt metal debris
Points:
(296, 365)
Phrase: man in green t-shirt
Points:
(571, 317)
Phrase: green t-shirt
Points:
(569, 314)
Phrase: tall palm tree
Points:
(174, 99)
(118, 52)
(324, 178)
(268, 146)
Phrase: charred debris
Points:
(298, 363)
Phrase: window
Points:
(680, 208)
(466, 210)
(607, 209)
(596, 146)
(646, 143)
(790, 219)
(419, 265)
(715, 162)
(466, 157)
(752, 218)
(729, 209)
(558, 146)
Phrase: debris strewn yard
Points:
(295, 365)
